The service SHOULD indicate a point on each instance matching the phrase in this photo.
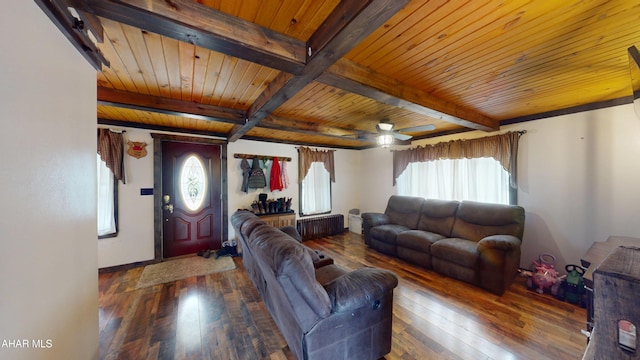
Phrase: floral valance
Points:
(309, 156)
(503, 148)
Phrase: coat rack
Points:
(261, 157)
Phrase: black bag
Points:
(256, 177)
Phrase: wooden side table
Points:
(279, 219)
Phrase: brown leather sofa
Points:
(323, 311)
(475, 242)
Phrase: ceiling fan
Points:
(386, 134)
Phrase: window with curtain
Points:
(481, 169)
(107, 200)
(316, 172)
(479, 179)
(110, 169)
(315, 191)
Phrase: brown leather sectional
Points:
(324, 311)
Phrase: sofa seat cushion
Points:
(387, 233)
(418, 240)
(458, 251)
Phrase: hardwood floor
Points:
(221, 316)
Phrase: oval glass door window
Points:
(193, 183)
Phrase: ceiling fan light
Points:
(385, 140)
(385, 126)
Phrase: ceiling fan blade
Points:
(369, 136)
(418, 128)
(401, 136)
(362, 135)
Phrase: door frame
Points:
(158, 139)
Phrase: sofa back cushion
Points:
(476, 220)
(244, 222)
(248, 226)
(438, 216)
(404, 210)
(240, 217)
(289, 262)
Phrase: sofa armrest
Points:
(370, 220)
(291, 231)
(499, 242)
(360, 288)
(322, 261)
(375, 219)
(499, 262)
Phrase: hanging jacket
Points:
(284, 176)
(256, 176)
(275, 180)
(246, 170)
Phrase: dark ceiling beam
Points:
(137, 125)
(134, 101)
(93, 24)
(343, 14)
(347, 75)
(74, 30)
(304, 143)
(347, 30)
(311, 128)
(200, 25)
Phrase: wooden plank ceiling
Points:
(325, 72)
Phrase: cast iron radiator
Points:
(316, 227)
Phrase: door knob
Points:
(167, 203)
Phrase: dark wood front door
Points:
(191, 202)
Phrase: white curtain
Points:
(316, 190)
(479, 179)
(106, 219)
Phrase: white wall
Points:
(343, 196)
(241, 200)
(48, 262)
(134, 242)
(578, 177)
(377, 174)
(578, 181)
